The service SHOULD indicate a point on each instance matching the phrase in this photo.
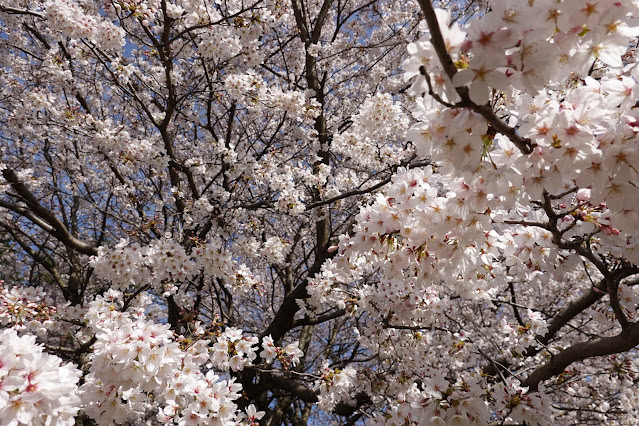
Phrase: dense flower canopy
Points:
(319, 212)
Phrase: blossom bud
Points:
(583, 194)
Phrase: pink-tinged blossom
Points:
(195, 175)
(335, 385)
(253, 416)
(136, 361)
(35, 387)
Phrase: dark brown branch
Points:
(319, 319)
(305, 394)
(37, 35)
(613, 285)
(437, 39)
(588, 410)
(291, 386)
(365, 190)
(39, 257)
(22, 211)
(572, 310)
(301, 24)
(486, 111)
(14, 11)
(283, 319)
(511, 287)
(624, 341)
(58, 230)
(319, 23)
(431, 92)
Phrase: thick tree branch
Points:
(626, 340)
(437, 39)
(319, 23)
(319, 319)
(573, 309)
(291, 386)
(286, 313)
(38, 256)
(58, 230)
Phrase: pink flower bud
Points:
(583, 194)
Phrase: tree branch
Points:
(624, 341)
(525, 145)
(319, 319)
(15, 11)
(58, 230)
(365, 190)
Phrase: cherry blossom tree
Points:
(319, 212)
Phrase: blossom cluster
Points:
(522, 336)
(287, 356)
(35, 387)
(138, 365)
(251, 89)
(439, 402)
(435, 236)
(335, 385)
(377, 123)
(130, 151)
(571, 131)
(487, 215)
(26, 309)
(238, 40)
(515, 405)
(233, 350)
(165, 263)
(266, 164)
(68, 17)
(525, 45)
